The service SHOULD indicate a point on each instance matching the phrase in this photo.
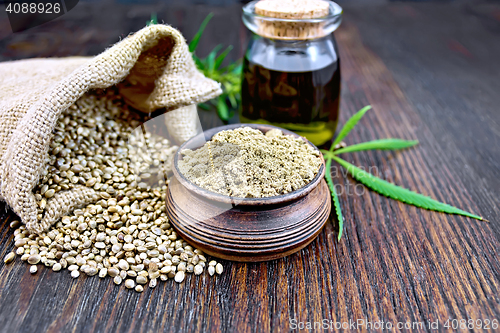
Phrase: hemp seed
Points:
(179, 277)
(124, 232)
(130, 284)
(9, 258)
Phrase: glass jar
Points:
(291, 73)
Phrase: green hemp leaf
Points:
(376, 184)
(229, 76)
(153, 20)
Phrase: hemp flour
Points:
(247, 163)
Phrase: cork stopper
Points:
(292, 9)
(295, 15)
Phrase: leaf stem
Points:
(336, 203)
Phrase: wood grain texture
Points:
(395, 262)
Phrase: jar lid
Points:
(292, 19)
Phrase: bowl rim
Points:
(278, 199)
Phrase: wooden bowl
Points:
(246, 229)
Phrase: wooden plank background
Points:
(430, 71)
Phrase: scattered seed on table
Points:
(9, 258)
(179, 277)
(14, 224)
(141, 279)
(34, 259)
(113, 272)
(129, 283)
(219, 269)
(117, 279)
(103, 272)
(198, 270)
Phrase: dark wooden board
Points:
(431, 72)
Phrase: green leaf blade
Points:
(199, 63)
(336, 203)
(232, 100)
(401, 194)
(222, 109)
(196, 39)
(204, 106)
(349, 125)
(229, 77)
(153, 20)
(383, 144)
(222, 56)
(211, 58)
(238, 69)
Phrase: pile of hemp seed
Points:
(126, 235)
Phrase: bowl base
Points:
(247, 233)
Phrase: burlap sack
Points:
(153, 69)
